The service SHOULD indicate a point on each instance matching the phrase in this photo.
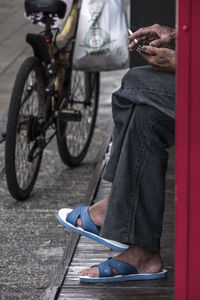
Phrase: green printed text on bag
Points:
(102, 37)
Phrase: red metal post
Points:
(187, 251)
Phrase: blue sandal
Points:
(68, 218)
(126, 271)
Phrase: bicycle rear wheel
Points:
(74, 138)
(22, 151)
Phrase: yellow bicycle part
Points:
(62, 40)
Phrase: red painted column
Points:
(187, 250)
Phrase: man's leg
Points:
(138, 85)
(135, 209)
(141, 85)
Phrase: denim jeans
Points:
(143, 115)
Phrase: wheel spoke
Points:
(29, 108)
(77, 133)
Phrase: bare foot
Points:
(143, 260)
(97, 211)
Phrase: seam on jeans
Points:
(134, 178)
(151, 91)
(151, 124)
(130, 204)
(128, 121)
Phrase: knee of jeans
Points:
(129, 76)
(119, 102)
(133, 77)
(145, 114)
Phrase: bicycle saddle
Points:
(57, 7)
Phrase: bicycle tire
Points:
(28, 90)
(65, 138)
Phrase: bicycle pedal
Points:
(70, 115)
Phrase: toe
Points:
(78, 222)
(92, 272)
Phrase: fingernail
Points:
(144, 48)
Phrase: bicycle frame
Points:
(55, 62)
(49, 94)
(45, 44)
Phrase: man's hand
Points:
(161, 59)
(166, 41)
(156, 35)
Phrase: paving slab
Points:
(31, 237)
(32, 241)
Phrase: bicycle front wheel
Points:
(22, 151)
(74, 137)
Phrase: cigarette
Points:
(130, 31)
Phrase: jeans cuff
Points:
(153, 247)
(107, 176)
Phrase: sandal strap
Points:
(121, 267)
(104, 269)
(87, 223)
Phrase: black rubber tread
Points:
(66, 157)
(31, 63)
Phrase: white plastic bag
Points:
(102, 36)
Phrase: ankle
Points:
(97, 213)
(143, 260)
(152, 264)
(99, 208)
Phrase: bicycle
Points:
(48, 99)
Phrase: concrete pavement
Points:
(32, 241)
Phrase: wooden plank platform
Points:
(53, 290)
(89, 253)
